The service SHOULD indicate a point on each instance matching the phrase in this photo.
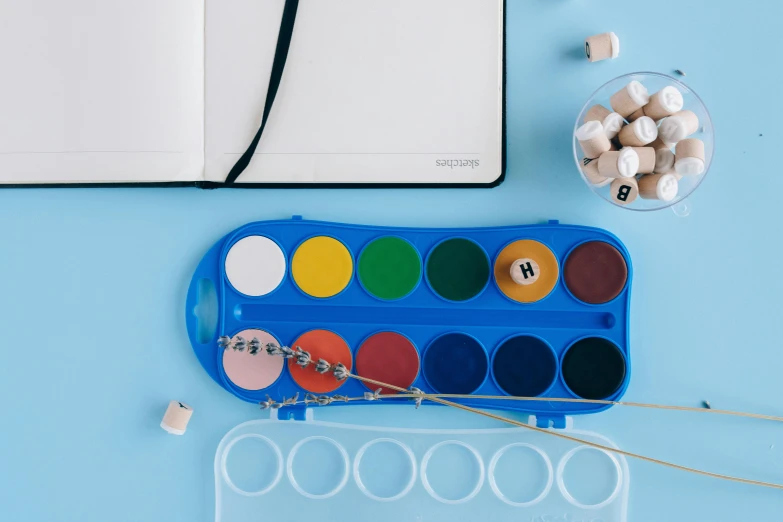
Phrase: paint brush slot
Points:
(425, 316)
(206, 311)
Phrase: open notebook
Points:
(373, 92)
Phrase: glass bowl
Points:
(654, 82)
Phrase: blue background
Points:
(94, 283)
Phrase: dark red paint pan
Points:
(388, 357)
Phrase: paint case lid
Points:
(326, 470)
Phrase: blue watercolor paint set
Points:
(529, 311)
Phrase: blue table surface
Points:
(94, 286)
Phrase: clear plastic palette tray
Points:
(287, 470)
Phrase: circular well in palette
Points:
(322, 267)
(595, 272)
(255, 266)
(322, 344)
(593, 368)
(252, 372)
(524, 366)
(539, 271)
(389, 268)
(388, 357)
(458, 269)
(455, 363)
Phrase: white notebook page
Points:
(374, 91)
(101, 91)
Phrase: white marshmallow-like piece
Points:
(664, 161)
(638, 93)
(667, 187)
(590, 130)
(628, 163)
(672, 130)
(613, 123)
(671, 99)
(645, 130)
(615, 45)
(592, 138)
(689, 166)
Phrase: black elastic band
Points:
(281, 54)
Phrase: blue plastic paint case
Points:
(215, 308)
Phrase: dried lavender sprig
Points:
(322, 366)
(324, 400)
(415, 395)
(273, 349)
(373, 396)
(418, 400)
(302, 357)
(240, 344)
(269, 403)
(341, 372)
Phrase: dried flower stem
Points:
(321, 366)
(341, 373)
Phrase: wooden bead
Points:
(624, 191)
(640, 133)
(592, 138)
(602, 46)
(646, 159)
(689, 157)
(613, 124)
(597, 113)
(176, 418)
(590, 169)
(664, 103)
(679, 126)
(619, 164)
(664, 161)
(630, 99)
(659, 143)
(611, 121)
(663, 187)
(636, 115)
(525, 271)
